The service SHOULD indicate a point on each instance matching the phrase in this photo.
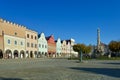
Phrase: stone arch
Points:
(31, 54)
(27, 54)
(42, 53)
(50, 54)
(39, 54)
(22, 54)
(46, 54)
(1, 54)
(35, 53)
(16, 54)
(8, 54)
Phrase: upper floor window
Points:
(28, 44)
(27, 35)
(35, 37)
(31, 36)
(15, 42)
(32, 45)
(45, 46)
(39, 45)
(8, 41)
(42, 46)
(21, 43)
(35, 45)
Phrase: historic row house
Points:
(12, 40)
(31, 43)
(17, 41)
(58, 47)
(51, 46)
(42, 45)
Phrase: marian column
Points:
(98, 37)
(99, 47)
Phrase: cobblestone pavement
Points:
(58, 69)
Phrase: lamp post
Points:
(80, 55)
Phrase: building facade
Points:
(1, 43)
(64, 48)
(72, 52)
(68, 48)
(31, 44)
(51, 46)
(13, 39)
(17, 41)
(42, 45)
(58, 47)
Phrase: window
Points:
(35, 45)
(15, 33)
(35, 37)
(32, 45)
(45, 46)
(28, 44)
(8, 41)
(42, 46)
(39, 45)
(21, 43)
(15, 42)
(27, 35)
(31, 36)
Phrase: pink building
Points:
(31, 44)
(51, 46)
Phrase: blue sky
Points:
(78, 19)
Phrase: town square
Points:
(59, 69)
(59, 40)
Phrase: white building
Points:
(58, 47)
(42, 45)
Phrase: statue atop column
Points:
(100, 46)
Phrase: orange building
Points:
(51, 46)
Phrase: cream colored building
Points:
(15, 45)
(68, 48)
(13, 39)
(31, 44)
(64, 48)
(72, 52)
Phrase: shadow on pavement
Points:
(1, 78)
(104, 71)
(113, 63)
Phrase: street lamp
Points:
(80, 55)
